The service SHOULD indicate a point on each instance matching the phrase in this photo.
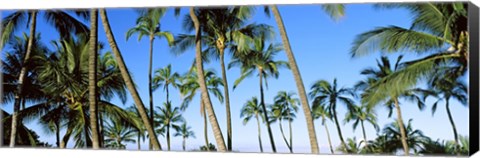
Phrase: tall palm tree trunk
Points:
(283, 135)
(291, 132)
(92, 78)
(203, 86)
(21, 79)
(264, 108)
(166, 87)
(339, 130)
(168, 137)
(227, 99)
(150, 91)
(259, 133)
(57, 134)
(128, 80)
(298, 81)
(205, 128)
(101, 129)
(364, 134)
(450, 118)
(328, 136)
(403, 133)
(66, 137)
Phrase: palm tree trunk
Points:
(339, 130)
(259, 133)
(66, 137)
(101, 129)
(402, 128)
(291, 132)
(128, 80)
(203, 86)
(264, 108)
(92, 78)
(298, 81)
(283, 135)
(328, 135)
(450, 118)
(21, 79)
(205, 128)
(57, 134)
(138, 141)
(168, 137)
(23, 103)
(85, 128)
(227, 99)
(183, 143)
(150, 91)
(166, 87)
(364, 134)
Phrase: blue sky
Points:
(321, 47)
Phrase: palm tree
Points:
(148, 24)
(11, 67)
(253, 109)
(430, 147)
(128, 79)
(353, 147)
(203, 86)
(260, 58)
(62, 21)
(164, 78)
(92, 78)
(221, 27)
(324, 93)
(375, 76)
(189, 87)
(185, 132)
(117, 134)
(284, 108)
(414, 137)
(334, 11)
(445, 89)
(140, 130)
(169, 116)
(439, 29)
(321, 111)
(360, 114)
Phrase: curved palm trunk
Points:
(57, 134)
(264, 108)
(227, 99)
(402, 128)
(85, 128)
(168, 137)
(66, 137)
(364, 134)
(450, 118)
(205, 128)
(339, 130)
(92, 79)
(259, 133)
(328, 136)
(21, 79)
(283, 135)
(128, 80)
(298, 81)
(150, 91)
(203, 86)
